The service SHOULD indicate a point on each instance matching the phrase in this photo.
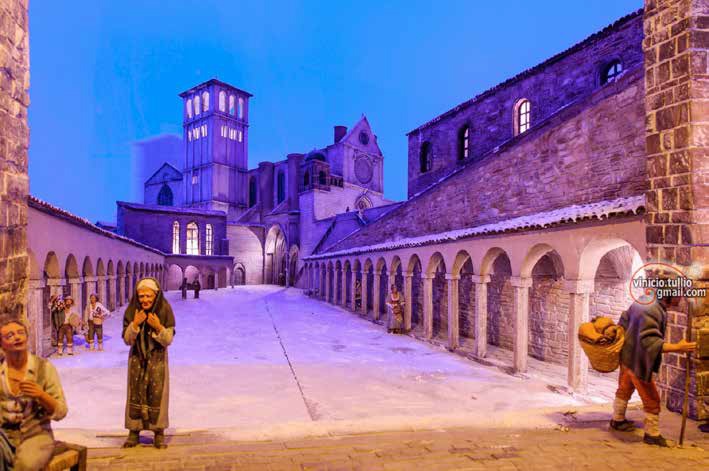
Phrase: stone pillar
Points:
(14, 182)
(75, 285)
(111, 293)
(453, 312)
(521, 322)
(102, 294)
(376, 288)
(327, 286)
(365, 294)
(353, 283)
(427, 305)
(579, 295)
(342, 300)
(90, 283)
(480, 293)
(676, 51)
(121, 296)
(35, 310)
(408, 306)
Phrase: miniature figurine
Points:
(148, 328)
(395, 310)
(95, 313)
(197, 287)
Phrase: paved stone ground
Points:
(585, 444)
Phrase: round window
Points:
(363, 170)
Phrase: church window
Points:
(175, 237)
(192, 239)
(209, 239)
(241, 108)
(322, 178)
(195, 177)
(425, 157)
(252, 191)
(232, 108)
(523, 116)
(205, 101)
(281, 186)
(306, 179)
(463, 143)
(611, 72)
(196, 105)
(189, 108)
(222, 101)
(165, 196)
(204, 130)
(241, 136)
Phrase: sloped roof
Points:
(170, 169)
(170, 209)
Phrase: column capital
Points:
(408, 274)
(481, 279)
(36, 284)
(111, 277)
(579, 286)
(426, 276)
(55, 281)
(519, 282)
(90, 278)
(377, 272)
(73, 281)
(451, 277)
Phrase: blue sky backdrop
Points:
(105, 74)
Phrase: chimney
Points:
(340, 132)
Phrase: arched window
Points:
(241, 107)
(322, 178)
(281, 186)
(189, 108)
(425, 157)
(523, 116)
(192, 239)
(196, 105)
(175, 237)
(165, 196)
(306, 179)
(232, 106)
(463, 143)
(222, 101)
(252, 191)
(209, 239)
(205, 101)
(611, 72)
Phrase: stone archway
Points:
(275, 250)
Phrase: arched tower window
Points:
(322, 178)
(192, 239)
(306, 179)
(232, 106)
(463, 143)
(205, 101)
(189, 108)
(252, 191)
(175, 237)
(197, 108)
(165, 196)
(281, 186)
(209, 239)
(222, 101)
(611, 72)
(241, 108)
(425, 157)
(523, 116)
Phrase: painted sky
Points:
(105, 74)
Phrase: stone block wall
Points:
(14, 143)
(555, 83)
(593, 151)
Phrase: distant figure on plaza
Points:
(395, 309)
(183, 288)
(31, 396)
(148, 328)
(282, 279)
(358, 294)
(95, 313)
(197, 287)
(65, 320)
(640, 357)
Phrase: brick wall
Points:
(14, 142)
(557, 82)
(592, 151)
(676, 48)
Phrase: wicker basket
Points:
(604, 358)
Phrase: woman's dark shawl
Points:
(144, 343)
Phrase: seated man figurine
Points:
(30, 397)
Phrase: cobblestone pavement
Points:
(587, 445)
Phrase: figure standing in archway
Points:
(395, 309)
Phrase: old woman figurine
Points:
(148, 328)
(395, 305)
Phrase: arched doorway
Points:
(275, 262)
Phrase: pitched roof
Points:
(170, 209)
(213, 82)
(176, 173)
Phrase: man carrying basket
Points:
(640, 356)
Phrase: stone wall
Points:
(557, 82)
(246, 246)
(676, 48)
(14, 142)
(593, 151)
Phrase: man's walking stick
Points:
(685, 402)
